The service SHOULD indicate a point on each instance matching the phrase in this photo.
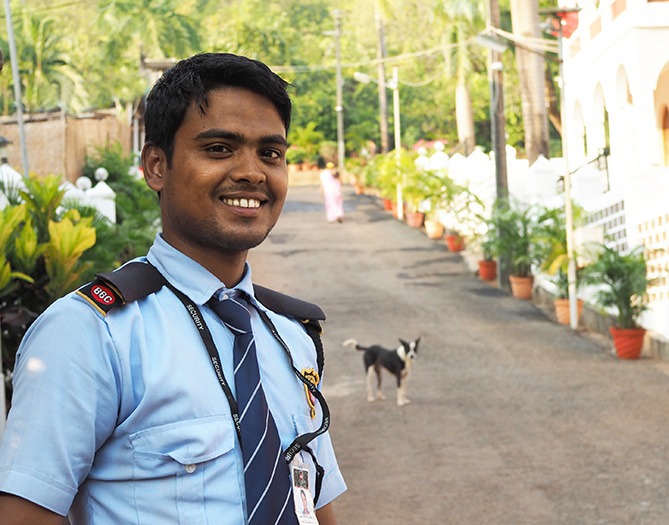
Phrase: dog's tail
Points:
(353, 343)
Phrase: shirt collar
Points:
(189, 276)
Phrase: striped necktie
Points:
(266, 474)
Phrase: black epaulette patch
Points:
(101, 295)
(286, 305)
(129, 283)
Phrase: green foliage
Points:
(42, 198)
(513, 228)
(47, 250)
(306, 140)
(388, 173)
(622, 282)
(137, 210)
(10, 220)
(66, 64)
(551, 239)
(68, 240)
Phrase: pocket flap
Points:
(187, 442)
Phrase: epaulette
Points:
(286, 305)
(124, 285)
(308, 313)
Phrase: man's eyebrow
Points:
(238, 137)
(219, 134)
(274, 139)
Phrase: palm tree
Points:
(462, 19)
(46, 67)
(531, 67)
(157, 28)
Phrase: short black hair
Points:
(191, 79)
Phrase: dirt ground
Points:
(514, 419)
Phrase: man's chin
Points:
(243, 242)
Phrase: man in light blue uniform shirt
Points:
(119, 418)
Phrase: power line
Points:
(387, 60)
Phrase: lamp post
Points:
(394, 85)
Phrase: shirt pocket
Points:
(173, 465)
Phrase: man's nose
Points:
(249, 167)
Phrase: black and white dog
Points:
(398, 362)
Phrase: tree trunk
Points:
(531, 66)
(381, 72)
(464, 116)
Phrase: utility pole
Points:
(498, 132)
(17, 86)
(381, 69)
(339, 108)
(568, 207)
(398, 141)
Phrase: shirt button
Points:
(190, 468)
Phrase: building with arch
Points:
(616, 91)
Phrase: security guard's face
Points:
(227, 182)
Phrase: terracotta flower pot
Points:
(562, 310)
(433, 229)
(628, 342)
(521, 287)
(455, 243)
(488, 270)
(387, 204)
(415, 219)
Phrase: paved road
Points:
(514, 419)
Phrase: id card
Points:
(304, 502)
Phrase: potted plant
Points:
(487, 264)
(385, 177)
(436, 190)
(622, 283)
(356, 167)
(461, 215)
(414, 188)
(515, 226)
(551, 237)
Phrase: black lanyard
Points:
(301, 442)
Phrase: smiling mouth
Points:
(242, 203)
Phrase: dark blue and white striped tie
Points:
(266, 474)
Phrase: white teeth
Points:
(243, 203)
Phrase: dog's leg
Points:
(403, 380)
(379, 393)
(370, 384)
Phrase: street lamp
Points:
(394, 85)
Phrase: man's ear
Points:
(154, 164)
